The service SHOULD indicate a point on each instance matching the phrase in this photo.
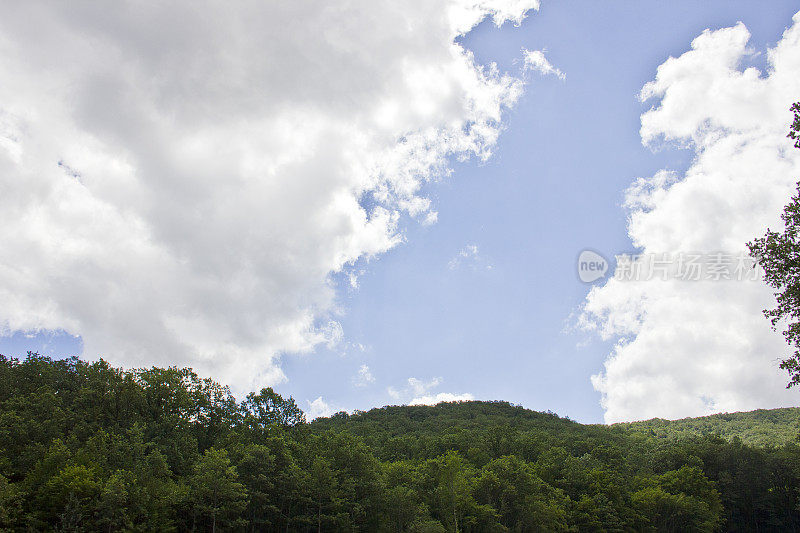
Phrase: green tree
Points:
(680, 500)
(778, 254)
(403, 509)
(10, 504)
(257, 470)
(450, 480)
(156, 494)
(323, 493)
(268, 408)
(114, 503)
(216, 494)
(523, 500)
(71, 497)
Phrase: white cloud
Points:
(441, 397)
(693, 348)
(353, 277)
(179, 183)
(364, 376)
(535, 60)
(419, 392)
(417, 386)
(319, 408)
(469, 257)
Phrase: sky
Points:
(385, 203)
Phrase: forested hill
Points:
(764, 427)
(415, 420)
(393, 424)
(477, 429)
(88, 447)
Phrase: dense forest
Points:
(88, 447)
(764, 427)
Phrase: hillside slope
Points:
(763, 427)
(759, 428)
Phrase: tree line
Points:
(88, 447)
(762, 427)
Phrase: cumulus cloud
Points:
(419, 392)
(441, 397)
(364, 376)
(319, 408)
(694, 348)
(394, 393)
(179, 181)
(536, 61)
(417, 386)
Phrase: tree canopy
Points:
(88, 447)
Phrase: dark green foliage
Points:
(216, 496)
(86, 447)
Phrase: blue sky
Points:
(553, 188)
(485, 301)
